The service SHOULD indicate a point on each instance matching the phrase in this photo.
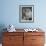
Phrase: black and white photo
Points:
(26, 13)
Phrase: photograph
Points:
(26, 13)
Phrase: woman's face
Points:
(28, 12)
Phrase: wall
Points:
(10, 13)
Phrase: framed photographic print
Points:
(26, 13)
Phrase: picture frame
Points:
(26, 13)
